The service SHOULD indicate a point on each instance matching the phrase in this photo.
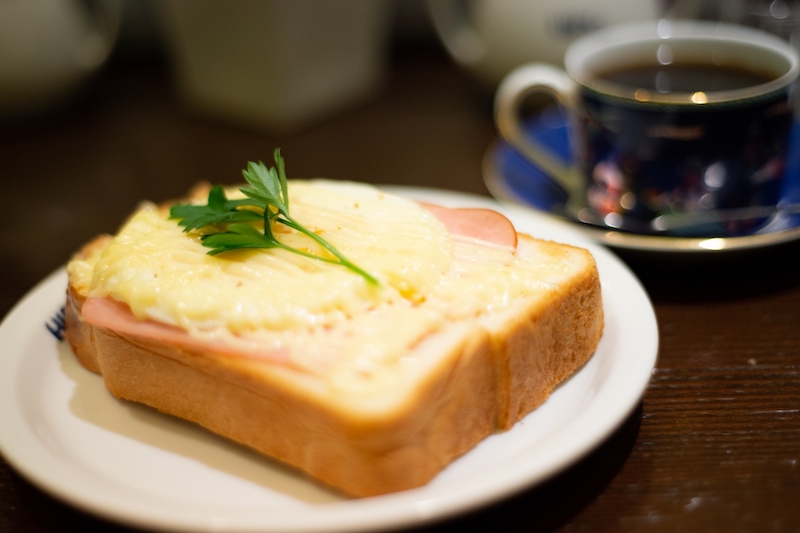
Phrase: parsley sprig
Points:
(268, 200)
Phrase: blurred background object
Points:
(780, 17)
(279, 66)
(490, 38)
(272, 64)
(49, 49)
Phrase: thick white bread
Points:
(467, 381)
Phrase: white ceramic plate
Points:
(63, 431)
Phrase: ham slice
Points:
(117, 316)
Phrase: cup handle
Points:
(514, 89)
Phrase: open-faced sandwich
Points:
(363, 338)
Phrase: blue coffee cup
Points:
(666, 118)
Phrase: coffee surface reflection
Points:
(687, 77)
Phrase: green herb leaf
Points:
(263, 187)
(237, 237)
(267, 200)
(218, 210)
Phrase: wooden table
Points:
(713, 446)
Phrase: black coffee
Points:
(688, 78)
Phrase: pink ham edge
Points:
(116, 316)
(475, 223)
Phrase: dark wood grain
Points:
(714, 444)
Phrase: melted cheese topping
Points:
(331, 320)
(167, 275)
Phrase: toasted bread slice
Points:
(455, 386)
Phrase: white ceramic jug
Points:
(492, 37)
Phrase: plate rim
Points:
(393, 510)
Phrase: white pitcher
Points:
(492, 37)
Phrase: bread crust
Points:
(477, 380)
(77, 331)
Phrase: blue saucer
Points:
(510, 177)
